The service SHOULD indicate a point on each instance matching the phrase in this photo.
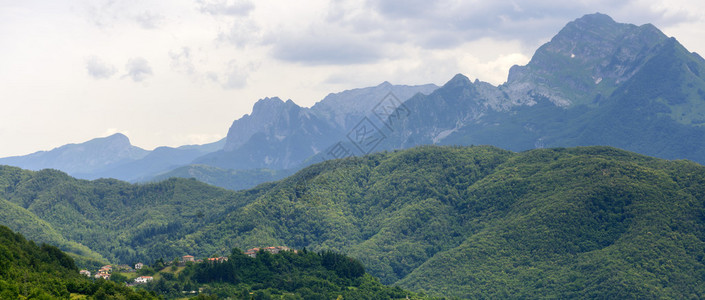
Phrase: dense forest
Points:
(446, 221)
(108, 220)
(286, 275)
(31, 271)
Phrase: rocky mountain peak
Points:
(117, 140)
(266, 113)
(589, 57)
(459, 80)
(268, 105)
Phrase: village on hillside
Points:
(105, 272)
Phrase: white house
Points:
(143, 279)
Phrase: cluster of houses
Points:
(274, 250)
(190, 258)
(105, 271)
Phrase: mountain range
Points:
(597, 82)
(111, 157)
(271, 142)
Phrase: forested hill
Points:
(28, 271)
(288, 274)
(453, 221)
(109, 220)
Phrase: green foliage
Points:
(44, 272)
(286, 275)
(117, 277)
(109, 220)
(450, 221)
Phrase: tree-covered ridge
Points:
(482, 222)
(286, 275)
(108, 219)
(452, 221)
(29, 271)
(585, 222)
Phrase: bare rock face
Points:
(346, 108)
(280, 134)
(588, 57)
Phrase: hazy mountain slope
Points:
(277, 135)
(282, 135)
(159, 160)
(225, 178)
(347, 107)
(92, 156)
(111, 157)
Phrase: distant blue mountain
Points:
(159, 160)
(92, 156)
(111, 157)
(282, 135)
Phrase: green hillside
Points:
(480, 221)
(584, 222)
(120, 221)
(28, 271)
(451, 221)
(286, 275)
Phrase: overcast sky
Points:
(180, 71)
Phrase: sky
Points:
(177, 72)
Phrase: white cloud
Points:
(331, 47)
(181, 61)
(138, 69)
(236, 75)
(241, 33)
(226, 7)
(148, 20)
(99, 69)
